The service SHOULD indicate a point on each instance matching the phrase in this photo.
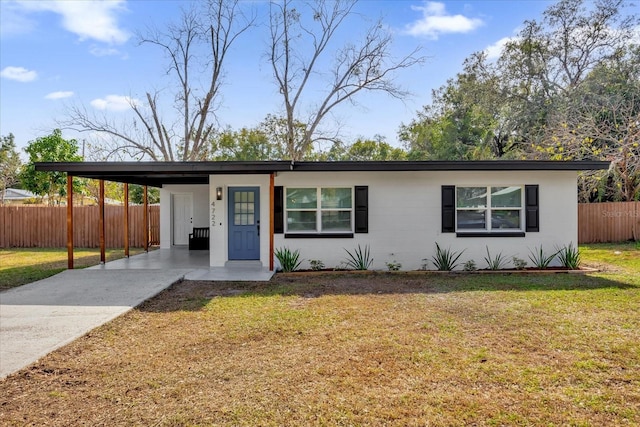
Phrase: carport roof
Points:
(156, 174)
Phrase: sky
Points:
(56, 54)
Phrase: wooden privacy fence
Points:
(46, 226)
(608, 222)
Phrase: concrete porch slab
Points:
(231, 274)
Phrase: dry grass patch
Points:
(351, 350)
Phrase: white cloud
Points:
(13, 21)
(435, 21)
(114, 103)
(89, 19)
(103, 51)
(19, 74)
(59, 95)
(495, 50)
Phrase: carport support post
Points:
(101, 222)
(145, 218)
(126, 220)
(70, 222)
(271, 226)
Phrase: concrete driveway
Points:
(40, 317)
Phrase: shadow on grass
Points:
(194, 295)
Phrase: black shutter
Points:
(448, 208)
(532, 214)
(278, 209)
(362, 209)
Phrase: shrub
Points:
(316, 264)
(289, 260)
(360, 259)
(445, 259)
(393, 265)
(495, 263)
(470, 266)
(569, 256)
(519, 263)
(540, 259)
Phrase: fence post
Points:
(145, 219)
(126, 220)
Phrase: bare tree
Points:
(600, 120)
(300, 42)
(201, 39)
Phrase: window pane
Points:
(301, 221)
(336, 221)
(302, 198)
(506, 197)
(471, 220)
(505, 219)
(333, 198)
(472, 197)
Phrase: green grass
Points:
(380, 348)
(625, 255)
(19, 266)
(344, 349)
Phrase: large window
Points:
(319, 210)
(489, 208)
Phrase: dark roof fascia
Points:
(157, 174)
(484, 165)
(212, 168)
(143, 168)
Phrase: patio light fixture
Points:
(219, 193)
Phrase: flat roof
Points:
(157, 174)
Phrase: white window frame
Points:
(489, 208)
(318, 210)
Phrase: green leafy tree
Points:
(136, 194)
(538, 98)
(364, 150)
(600, 120)
(245, 144)
(10, 164)
(50, 148)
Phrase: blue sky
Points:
(57, 53)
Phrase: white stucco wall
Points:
(200, 202)
(405, 216)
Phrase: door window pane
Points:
(244, 208)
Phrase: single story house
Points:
(16, 195)
(399, 209)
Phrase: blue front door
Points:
(244, 223)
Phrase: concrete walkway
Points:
(37, 318)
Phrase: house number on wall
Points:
(213, 214)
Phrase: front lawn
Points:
(378, 349)
(19, 266)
